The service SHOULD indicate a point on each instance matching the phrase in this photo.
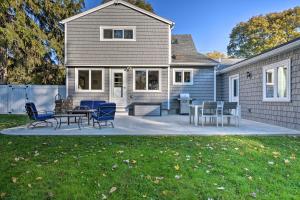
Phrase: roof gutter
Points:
(194, 64)
(262, 56)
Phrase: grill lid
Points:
(184, 96)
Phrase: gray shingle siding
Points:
(202, 88)
(85, 48)
(285, 114)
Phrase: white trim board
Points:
(97, 65)
(193, 64)
(116, 2)
(183, 70)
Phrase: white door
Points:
(234, 88)
(119, 87)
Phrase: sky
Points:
(210, 21)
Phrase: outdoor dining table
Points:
(58, 118)
(87, 113)
(196, 111)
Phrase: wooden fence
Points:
(14, 97)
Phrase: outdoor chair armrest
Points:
(46, 112)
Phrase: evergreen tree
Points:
(32, 40)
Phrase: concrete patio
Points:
(165, 125)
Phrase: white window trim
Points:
(90, 79)
(133, 28)
(286, 63)
(147, 70)
(182, 80)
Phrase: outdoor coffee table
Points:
(68, 116)
(87, 113)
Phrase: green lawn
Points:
(8, 121)
(149, 167)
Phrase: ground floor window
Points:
(183, 77)
(276, 81)
(146, 80)
(90, 80)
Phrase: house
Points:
(121, 53)
(118, 52)
(267, 86)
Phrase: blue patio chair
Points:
(89, 104)
(38, 117)
(104, 114)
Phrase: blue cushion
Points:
(97, 104)
(88, 104)
(44, 116)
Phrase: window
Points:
(183, 77)
(276, 81)
(110, 33)
(146, 80)
(87, 80)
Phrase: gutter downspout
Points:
(65, 63)
(170, 60)
(215, 83)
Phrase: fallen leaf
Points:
(286, 161)
(271, 163)
(113, 189)
(250, 178)
(178, 177)
(253, 194)
(29, 185)
(133, 161)
(39, 178)
(2, 195)
(115, 166)
(14, 179)
(220, 188)
(177, 167)
(104, 196)
(293, 157)
(120, 152)
(55, 161)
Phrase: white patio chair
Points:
(192, 110)
(209, 110)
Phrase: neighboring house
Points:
(267, 86)
(121, 53)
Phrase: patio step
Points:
(121, 110)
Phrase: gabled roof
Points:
(116, 2)
(184, 52)
(227, 62)
(266, 54)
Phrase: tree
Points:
(32, 40)
(139, 3)
(216, 55)
(264, 32)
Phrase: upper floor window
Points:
(117, 33)
(276, 81)
(183, 77)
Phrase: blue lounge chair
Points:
(38, 117)
(105, 113)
